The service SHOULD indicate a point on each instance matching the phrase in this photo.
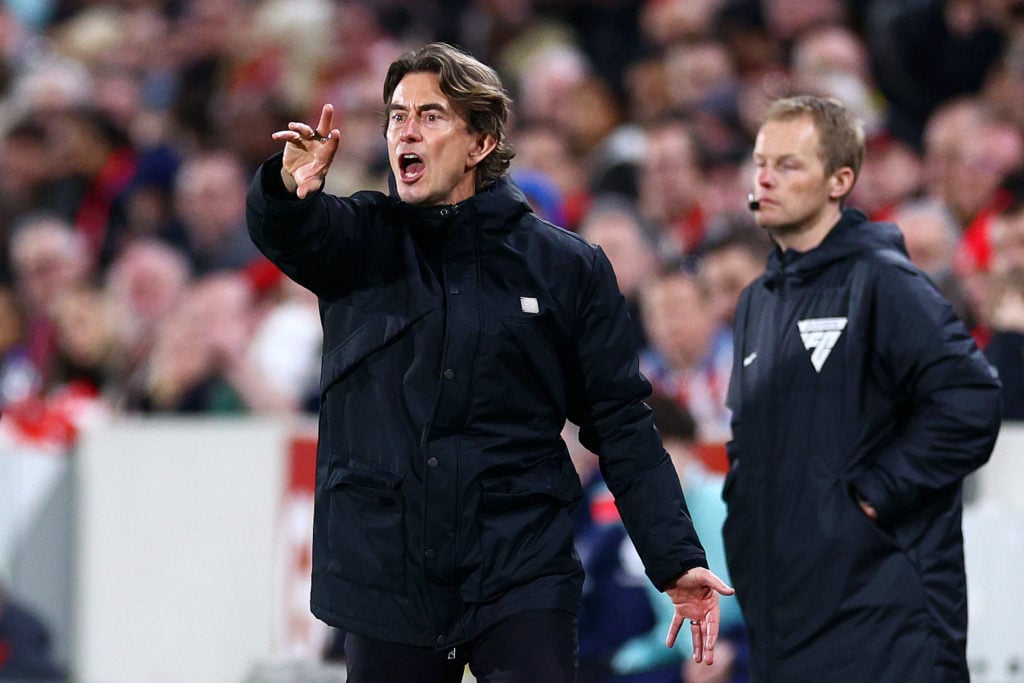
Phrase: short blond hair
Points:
(840, 133)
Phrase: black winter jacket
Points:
(852, 373)
(457, 340)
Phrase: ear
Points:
(840, 183)
(483, 145)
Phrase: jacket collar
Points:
(853, 233)
(497, 207)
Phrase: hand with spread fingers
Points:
(308, 152)
(695, 596)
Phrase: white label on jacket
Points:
(819, 336)
(529, 304)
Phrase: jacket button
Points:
(449, 373)
(432, 462)
(439, 640)
(453, 290)
(430, 554)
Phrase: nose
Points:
(763, 177)
(409, 130)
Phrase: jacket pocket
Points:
(525, 528)
(366, 525)
(369, 338)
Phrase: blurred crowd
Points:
(129, 131)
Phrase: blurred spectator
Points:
(46, 82)
(664, 22)
(892, 173)
(149, 202)
(967, 156)
(681, 359)
(615, 226)
(49, 258)
(201, 360)
(1005, 292)
(931, 236)
(732, 255)
(539, 146)
(86, 340)
(28, 179)
(930, 233)
(209, 39)
(144, 284)
(210, 202)
(953, 120)
(671, 186)
(609, 146)
(787, 20)
(296, 31)
(547, 74)
(610, 34)
(646, 88)
(239, 120)
(927, 52)
(696, 71)
(973, 192)
(1005, 350)
(100, 160)
(833, 60)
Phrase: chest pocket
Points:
(370, 337)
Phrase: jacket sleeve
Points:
(616, 424)
(319, 242)
(951, 396)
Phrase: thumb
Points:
(708, 578)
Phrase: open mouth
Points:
(411, 167)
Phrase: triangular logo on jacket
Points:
(819, 336)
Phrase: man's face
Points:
(789, 180)
(726, 272)
(670, 177)
(432, 152)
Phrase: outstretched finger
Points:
(697, 637)
(673, 630)
(286, 135)
(711, 624)
(323, 128)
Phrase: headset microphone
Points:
(752, 203)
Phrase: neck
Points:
(811, 234)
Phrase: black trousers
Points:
(536, 646)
